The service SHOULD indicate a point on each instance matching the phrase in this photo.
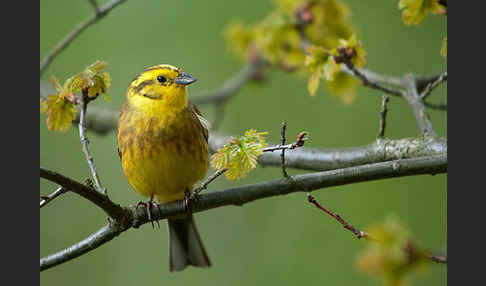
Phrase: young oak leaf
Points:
(414, 11)
(60, 112)
(322, 65)
(60, 107)
(240, 155)
(239, 38)
(355, 48)
(386, 255)
(43, 106)
(330, 68)
(97, 67)
(313, 83)
(344, 86)
(96, 82)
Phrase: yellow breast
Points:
(164, 154)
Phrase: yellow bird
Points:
(162, 143)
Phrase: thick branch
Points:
(244, 194)
(321, 159)
(99, 13)
(97, 198)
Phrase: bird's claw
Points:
(148, 206)
(187, 200)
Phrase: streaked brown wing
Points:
(204, 123)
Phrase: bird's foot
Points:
(149, 205)
(187, 200)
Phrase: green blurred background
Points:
(277, 241)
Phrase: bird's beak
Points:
(184, 79)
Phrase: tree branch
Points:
(236, 196)
(282, 143)
(99, 13)
(438, 106)
(428, 89)
(359, 233)
(52, 196)
(375, 83)
(384, 110)
(410, 248)
(84, 99)
(321, 159)
(416, 103)
(102, 201)
(437, 258)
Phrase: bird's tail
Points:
(185, 246)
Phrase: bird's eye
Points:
(161, 79)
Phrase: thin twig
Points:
(240, 195)
(437, 258)
(376, 77)
(282, 155)
(409, 247)
(52, 196)
(438, 106)
(84, 99)
(357, 232)
(346, 59)
(301, 137)
(95, 6)
(76, 32)
(208, 181)
(428, 89)
(383, 112)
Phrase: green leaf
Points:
(330, 68)
(414, 11)
(97, 87)
(358, 53)
(43, 106)
(316, 56)
(240, 155)
(238, 37)
(94, 81)
(55, 83)
(97, 66)
(386, 255)
(313, 83)
(344, 86)
(60, 113)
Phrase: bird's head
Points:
(161, 84)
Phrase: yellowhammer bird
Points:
(162, 143)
